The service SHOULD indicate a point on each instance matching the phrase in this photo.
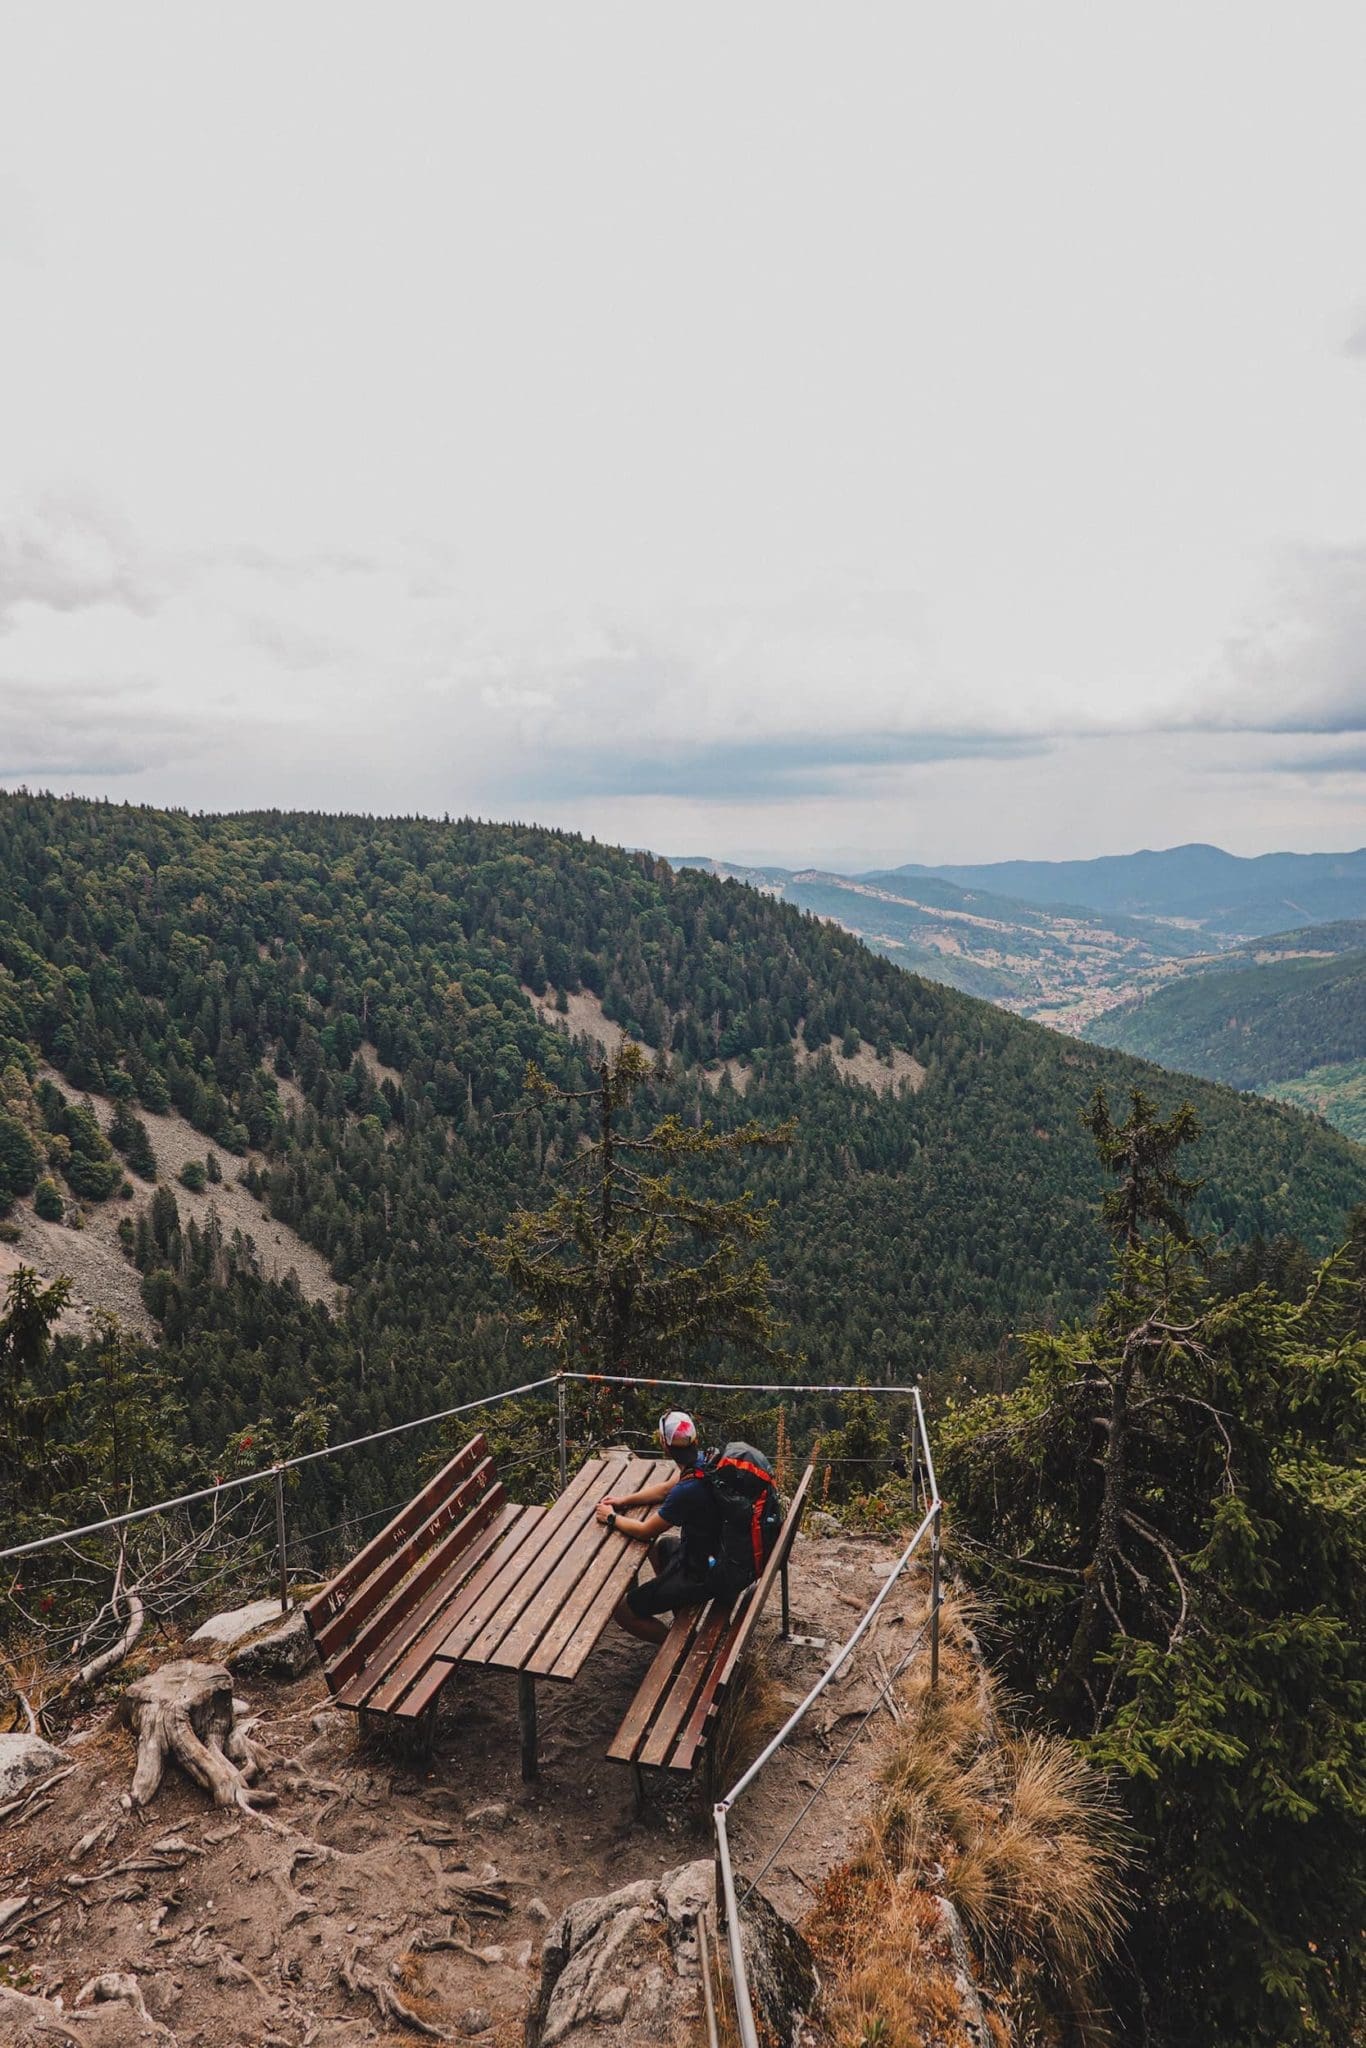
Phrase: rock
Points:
(624, 1968)
(223, 1630)
(475, 2019)
(285, 1652)
(23, 1758)
(492, 1814)
(821, 1523)
(537, 1909)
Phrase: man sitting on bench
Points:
(683, 1531)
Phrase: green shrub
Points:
(193, 1176)
(47, 1201)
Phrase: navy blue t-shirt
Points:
(690, 1505)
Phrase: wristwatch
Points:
(612, 1519)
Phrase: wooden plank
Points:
(334, 1595)
(678, 1703)
(597, 1613)
(390, 1571)
(565, 1596)
(436, 1602)
(694, 1729)
(664, 1669)
(571, 1536)
(436, 1563)
(424, 1691)
(427, 1648)
(529, 1563)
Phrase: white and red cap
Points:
(677, 1431)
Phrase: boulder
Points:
(285, 1652)
(221, 1631)
(623, 1970)
(23, 1758)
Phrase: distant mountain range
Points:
(1220, 893)
(1251, 971)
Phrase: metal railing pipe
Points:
(220, 1486)
(925, 1450)
(841, 1658)
(625, 1379)
(744, 2004)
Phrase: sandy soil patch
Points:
(238, 1933)
(93, 1258)
(740, 1075)
(375, 1066)
(584, 1018)
(866, 1068)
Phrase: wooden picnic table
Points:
(540, 1600)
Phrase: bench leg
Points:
(526, 1720)
(787, 1618)
(638, 1788)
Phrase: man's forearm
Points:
(648, 1496)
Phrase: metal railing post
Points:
(280, 1537)
(934, 1599)
(744, 2005)
(564, 1441)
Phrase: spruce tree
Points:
(625, 1267)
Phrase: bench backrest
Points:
(388, 1569)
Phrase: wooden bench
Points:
(463, 1575)
(370, 1624)
(672, 1714)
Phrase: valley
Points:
(1170, 956)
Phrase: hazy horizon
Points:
(816, 438)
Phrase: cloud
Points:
(1301, 667)
(87, 732)
(67, 555)
(1338, 755)
(1355, 344)
(769, 771)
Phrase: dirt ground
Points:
(239, 1928)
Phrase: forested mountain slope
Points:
(355, 999)
(1286, 1013)
(1058, 965)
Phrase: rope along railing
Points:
(727, 1900)
(274, 1475)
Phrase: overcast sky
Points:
(840, 434)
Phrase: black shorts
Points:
(675, 1586)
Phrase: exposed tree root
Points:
(357, 1978)
(122, 1986)
(36, 2014)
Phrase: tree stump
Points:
(187, 1711)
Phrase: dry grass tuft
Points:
(1014, 1830)
(1039, 1873)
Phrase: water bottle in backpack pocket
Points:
(746, 1495)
